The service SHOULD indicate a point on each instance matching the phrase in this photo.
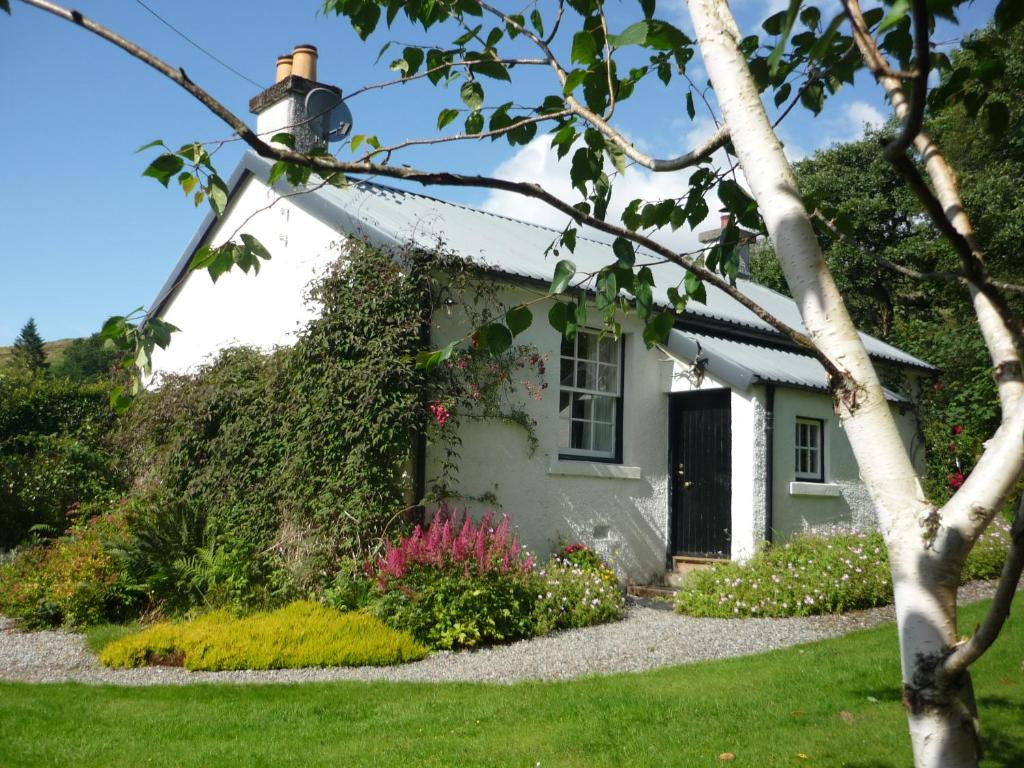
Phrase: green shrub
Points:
(577, 589)
(449, 611)
(989, 552)
(807, 575)
(55, 453)
(302, 634)
(815, 574)
(74, 581)
(458, 584)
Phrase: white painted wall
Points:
(620, 510)
(842, 500)
(262, 310)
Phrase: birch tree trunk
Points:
(941, 716)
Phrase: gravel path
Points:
(650, 636)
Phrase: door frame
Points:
(676, 400)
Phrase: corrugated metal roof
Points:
(740, 364)
(392, 217)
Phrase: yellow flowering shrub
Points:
(302, 634)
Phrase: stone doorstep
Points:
(649, 591)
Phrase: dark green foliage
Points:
(55, 452)
(28, 354)
(448, 610)
(295, 457)
(158, 553)
(85, 360)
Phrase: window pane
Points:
(812, 435)
(586, 346)
(564, 402)
(566, 372)
(607, 350)
(604, 409)
(581, 435)
(568, 347)
(608, 378)
(586, 375)
(583, 407)
(604, 437)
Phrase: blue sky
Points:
(84, 236)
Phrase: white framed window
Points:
(590, 397)
(810, 449)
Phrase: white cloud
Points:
(862, 114)
(538, 163)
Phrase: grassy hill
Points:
(54, 351)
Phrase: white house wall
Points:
(620, 510)
(841, 501)
(264, 310)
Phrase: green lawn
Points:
(836, 702)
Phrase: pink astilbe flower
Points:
(475, 549)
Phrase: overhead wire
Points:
(196, 45)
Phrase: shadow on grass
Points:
(1002, 749)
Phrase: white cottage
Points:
(720, 439)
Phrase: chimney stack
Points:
(281, 108)
(284, 67)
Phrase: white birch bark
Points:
(941, 720)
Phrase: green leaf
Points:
(584, 48)
(283, 138)
(691, 111)
(678, 301)
(634, 34)
(472, 94)
(255, 247)
(474, 122)
(558, 316)
(695, 288)
(428, 360)
(497, 338)
(899, 9)
(276, 170)
(120, 400)
(573, 80)
(822, 44)
(413, 58)
(787, 27)
(624, 252)
(217, 194)
(564, 272)
(569, 240)
(518, 319)
(164, 167)
(445, 117)
(537, 22)
(657, 328)
(144, 147)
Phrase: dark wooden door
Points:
(700, 485)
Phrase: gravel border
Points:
(651, 636)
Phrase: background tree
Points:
(87, 359)
(805, 58)
(28, 353)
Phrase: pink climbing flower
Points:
(440, 413)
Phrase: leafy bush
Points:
(807, 575)
(75, 581)
(55, 453)
(302, 634)
(989, 552)
(577, 589)
(816, 574)
(458, 585)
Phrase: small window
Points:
(810, 450)
(590, 397)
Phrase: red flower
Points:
(957, 429)
(440, 413)
(956, 479)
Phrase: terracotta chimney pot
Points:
(304, 61)
(284, 67)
